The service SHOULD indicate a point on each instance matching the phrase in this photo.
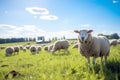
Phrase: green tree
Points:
(114, 36)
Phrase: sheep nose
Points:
(82, 38)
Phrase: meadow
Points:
(63, 66)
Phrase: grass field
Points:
(45, 66)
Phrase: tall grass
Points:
(72, 66)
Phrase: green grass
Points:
(72, 66)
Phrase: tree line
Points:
(11, 40)
(112, 36)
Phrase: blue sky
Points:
(31, 18)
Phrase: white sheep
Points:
(35, 49)
(9, 50)
(90, 46)
(2, 47)
(113, 42)
(24, 48)
(46, 48)
(28, 46)
(38, 48)
(58, 45)
(50, 47)
(16, 49)
(118, 41)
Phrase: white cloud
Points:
(5, 26)
(43, 13)
(48, 17)
(31, 31)
(8, 31)
(115, 1)
(37, 10)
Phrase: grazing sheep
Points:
(113, 42)
(50, 47)
(64, 44)
(28, 46)
(46, 48)
(90, 46)
(35, 49)
(24, 48)
(75, 46)
(38, 49)
(16, 49)
(21, 47)
(9, 51)
(118, 41)
(2, 47)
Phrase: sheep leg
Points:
(105, 57)
(88, 58)
(66, 51)
(53, 51)
(59, 51)
(101, 59)
(93, 60)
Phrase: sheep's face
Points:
(83, 34)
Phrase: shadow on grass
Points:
(111, 71)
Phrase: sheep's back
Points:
(61, 45)
(32, 48)
(9, 50)
(102, 45)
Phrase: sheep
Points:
(28, 46)
(118, 41)
(50, 47)
(35, 49)
(21, 47)
(46, 48)
(64, 44)
(38, 49)
(75, 46)
(16, 49)
(2, 47)
(113, 42)
(9, 50)
(24, 48)
(91, 46)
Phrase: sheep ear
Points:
(89, 31)
(76, 31)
